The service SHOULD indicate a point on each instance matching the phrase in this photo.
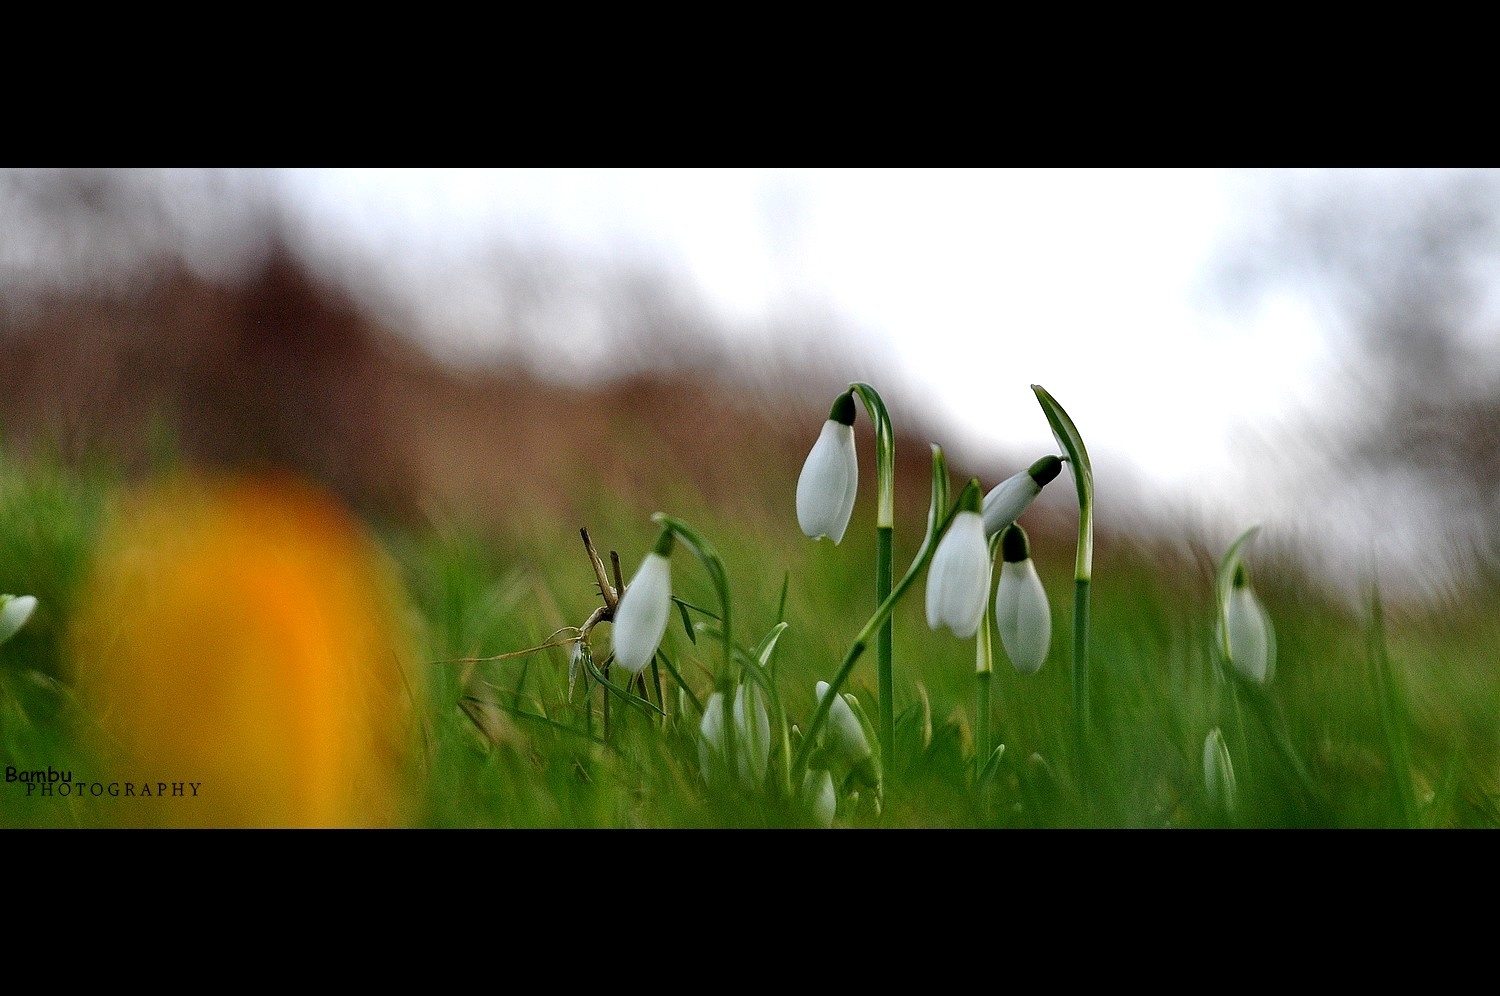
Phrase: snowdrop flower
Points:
(1022, 614)
(1218, 771)
(819, 797)
(958, 580)
(641, 619)
(830, 477)
(14, 611)
(1250, 637)
(1008, 499)
(845, 738)
(752, 744)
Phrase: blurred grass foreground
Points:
(291, 572)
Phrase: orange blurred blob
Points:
(244, 634)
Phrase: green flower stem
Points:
(984, 667)
(861, 640)
(885, 525)
(884, 664)
(1066, 434)
(714, 565)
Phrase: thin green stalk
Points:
(884, 666)
(862, 639)
(885, 525)
(1067, 436)
(984, 667)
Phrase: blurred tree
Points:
(1406, 265)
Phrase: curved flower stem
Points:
(885, 526)
(714, 565)
(861, 640)
(1066, 434)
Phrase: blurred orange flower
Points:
(244, 634)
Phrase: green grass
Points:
(1360, 727)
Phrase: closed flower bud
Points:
(845, 738)
(641, 618)
(752, 744)
(819, 798)
(1248, 631)
(830, 477)
(1022, 613)
(1008, 499)
(958, 580)
(1218, 771)
(14, 611)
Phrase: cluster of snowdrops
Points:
(743, 727)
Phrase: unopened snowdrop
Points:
(14, 611)
(819, 797)
(958, 579)
(1248, 631)
(844, 737)
(1218, 771)
(752, 745)
(1012, 496)
(1022, 614)
(830, 477)
(641, 619)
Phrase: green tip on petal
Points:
(1241, 576)
(664, 541)
(1013, 544)
(843, 409)
(969, 501)
(1045, 469)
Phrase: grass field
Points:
(1388, 722)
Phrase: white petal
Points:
(1007, 500)
(958, 580)
(1023, 616)
(1249, 633)
(641, 620)
(13, 616)
(829, 482)
(753, 748)
(819, 797)
(846, 736)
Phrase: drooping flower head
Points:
(830, 477)
(1008, 499)
(641, 619)
(14, 611)
(958, 580)
(1248, 631)
(1022, 613)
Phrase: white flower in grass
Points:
(830, 477)
(845, 738)
(958, 580)
(1218, 771)
(14, 611)
(819, 797)
(1022, 613)
(641, 618)
(1249, 634)
(752, 744)
(1008, 499)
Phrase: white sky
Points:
(973, 283)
